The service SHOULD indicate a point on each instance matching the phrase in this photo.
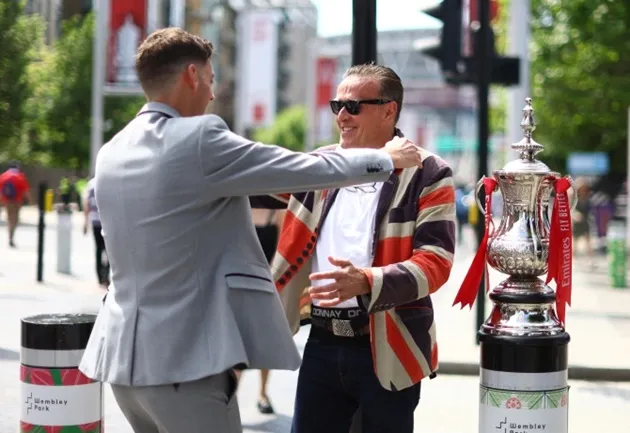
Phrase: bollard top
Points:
(57, 331)
(60, 319)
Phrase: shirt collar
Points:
(162, 108)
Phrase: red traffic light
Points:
(494, 9)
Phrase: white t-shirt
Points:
(348, 232)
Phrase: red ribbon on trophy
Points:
(479, 267)
(560, 247)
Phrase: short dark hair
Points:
(15, 165)
(165, 51)
(391, 85)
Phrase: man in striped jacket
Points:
(359, 264)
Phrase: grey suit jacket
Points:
(191, 292)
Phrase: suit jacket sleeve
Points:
(430, 265)
(234, 166)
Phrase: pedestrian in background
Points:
(93, 221)
(14, 189)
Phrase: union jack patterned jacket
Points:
(413, 248)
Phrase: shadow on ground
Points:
(9, 355)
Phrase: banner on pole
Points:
(325, 81)
(126, 30)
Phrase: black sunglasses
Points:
(354, 107)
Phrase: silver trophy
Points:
(524, 346)
(519, 246)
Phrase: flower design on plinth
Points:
(513, 403)
(565, 400)
(53, 376)
(94, 427)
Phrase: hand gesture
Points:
(348, 283)
(403, 152)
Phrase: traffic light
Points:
(284, 65)
(448, 51)
(504, 71)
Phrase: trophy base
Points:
(523, 308)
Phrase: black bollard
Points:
(55, 395)
(41, 226)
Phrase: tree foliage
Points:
(289, 129)
(581, 77)
(19, 34)
(55, 98)
(63, 85)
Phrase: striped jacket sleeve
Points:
(433, 245)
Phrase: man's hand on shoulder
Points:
(404, 153)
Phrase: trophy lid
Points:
(527, 147)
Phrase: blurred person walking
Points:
(14, 189)
(92, 220)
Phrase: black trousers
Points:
(102, 265)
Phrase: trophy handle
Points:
(481, 207)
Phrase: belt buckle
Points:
(342, 328)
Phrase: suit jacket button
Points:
(305, 253)
(299, 260)
(309, 246)
(294, 268)
(282, 281)
(287, 274)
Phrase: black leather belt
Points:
(342, 322)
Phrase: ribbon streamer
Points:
(470, 286)
(559, 261)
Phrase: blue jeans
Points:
(335, 380)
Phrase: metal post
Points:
(99, 64)
(364, 43)
(64, 240)
(519, 36)
(482, 54)
(41, 227)
(364, 32)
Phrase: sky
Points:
(335, 16)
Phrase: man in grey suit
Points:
(191, 296)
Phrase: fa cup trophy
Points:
(523, 342)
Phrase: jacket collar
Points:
(160, 108)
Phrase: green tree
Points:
(289, 129)
(18, 35)
(581, 77)
(61, 107)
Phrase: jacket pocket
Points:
(249, 281)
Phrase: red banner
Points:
(127, 29)
(479, 267)
(325, 73)
(561, 248)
